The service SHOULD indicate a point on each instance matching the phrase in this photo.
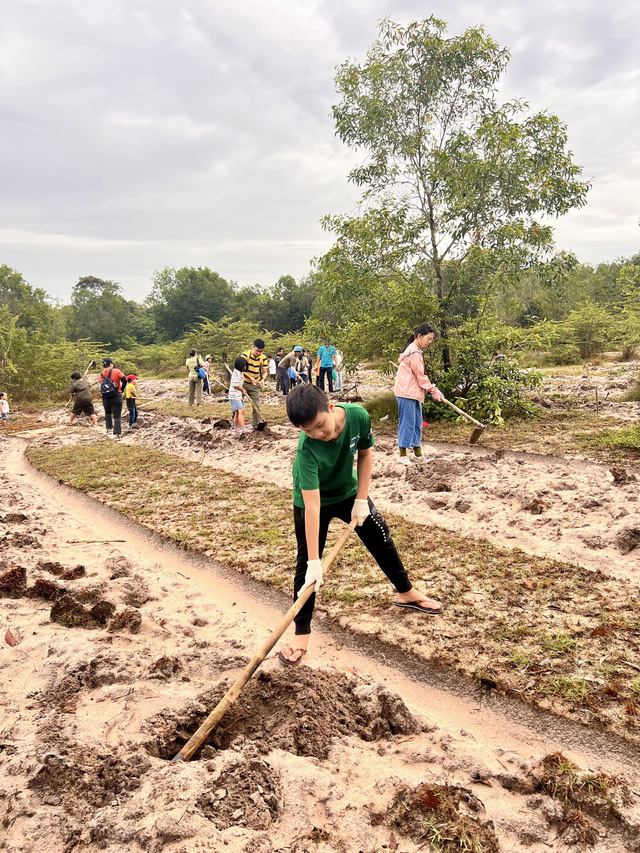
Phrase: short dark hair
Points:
(241, 363)
(258, 343)
(280, 349)
(76, 375)
(192, 352)
(304, 403)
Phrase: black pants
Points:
(328, 372)
(113, 413)
(283, 376)
(374, 535)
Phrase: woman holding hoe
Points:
(410, 386)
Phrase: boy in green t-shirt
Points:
(326, 486)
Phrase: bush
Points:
(589, 328)
(562, 356)
(381, 406)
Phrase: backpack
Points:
(107, 386)
(200, 371)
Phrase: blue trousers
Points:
(409, 422)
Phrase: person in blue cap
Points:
(289, 361)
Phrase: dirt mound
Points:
(81, 781)
(299, 711)
(439, 475)
(444, 816)
(247, 793)
(20, 540)
(70, 613)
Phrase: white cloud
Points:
(141, 135)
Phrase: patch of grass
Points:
(600, 794)
(559, 645)
(627, 438)
(542, 644)
(382, 406)
(272, 413)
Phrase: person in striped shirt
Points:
(255, 375)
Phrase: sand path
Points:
(208, 620)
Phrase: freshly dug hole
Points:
(299, 711)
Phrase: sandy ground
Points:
(346, 753)
(568, 509)
(317, 757)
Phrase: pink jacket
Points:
(411, 380)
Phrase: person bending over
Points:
(326, 486)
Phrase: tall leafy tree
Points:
(180, 299)
(29, 306)
(98, 311)
(457, 189)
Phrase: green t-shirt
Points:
(328, 465)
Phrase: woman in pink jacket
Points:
(410, 387)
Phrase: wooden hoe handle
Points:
(195, 742)
(463, 413)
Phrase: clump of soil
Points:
(245, 793)
(13, 582)
(80, 782)
(51, 566)
(599, 796)
(74, 573)
(299, 711)
(434, 475)
(128, 620)
(627, 539)
(119, 567)
(43, 588)
(20, 540)
(621, 476)
(444, 815)
(15, 518)
(70, 613)
(165, 667)
(102, 612)
(135, 592)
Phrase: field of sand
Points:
(355, 751)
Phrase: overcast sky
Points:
(139, 134)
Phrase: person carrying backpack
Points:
(195, 378)
(111, 382)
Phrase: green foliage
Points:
(589, 328)
(158, 360)
(29, 306)
(615, 439)
(33, 368)
(282, 308)
(228, 338)
(99, 311)
(454, 185)
(384, 405)
(182, 298)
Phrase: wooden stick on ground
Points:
(195, 742)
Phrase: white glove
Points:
(360, 510)
(314, 574)
(437, 395)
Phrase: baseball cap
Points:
(297, 349)
(132, 378)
